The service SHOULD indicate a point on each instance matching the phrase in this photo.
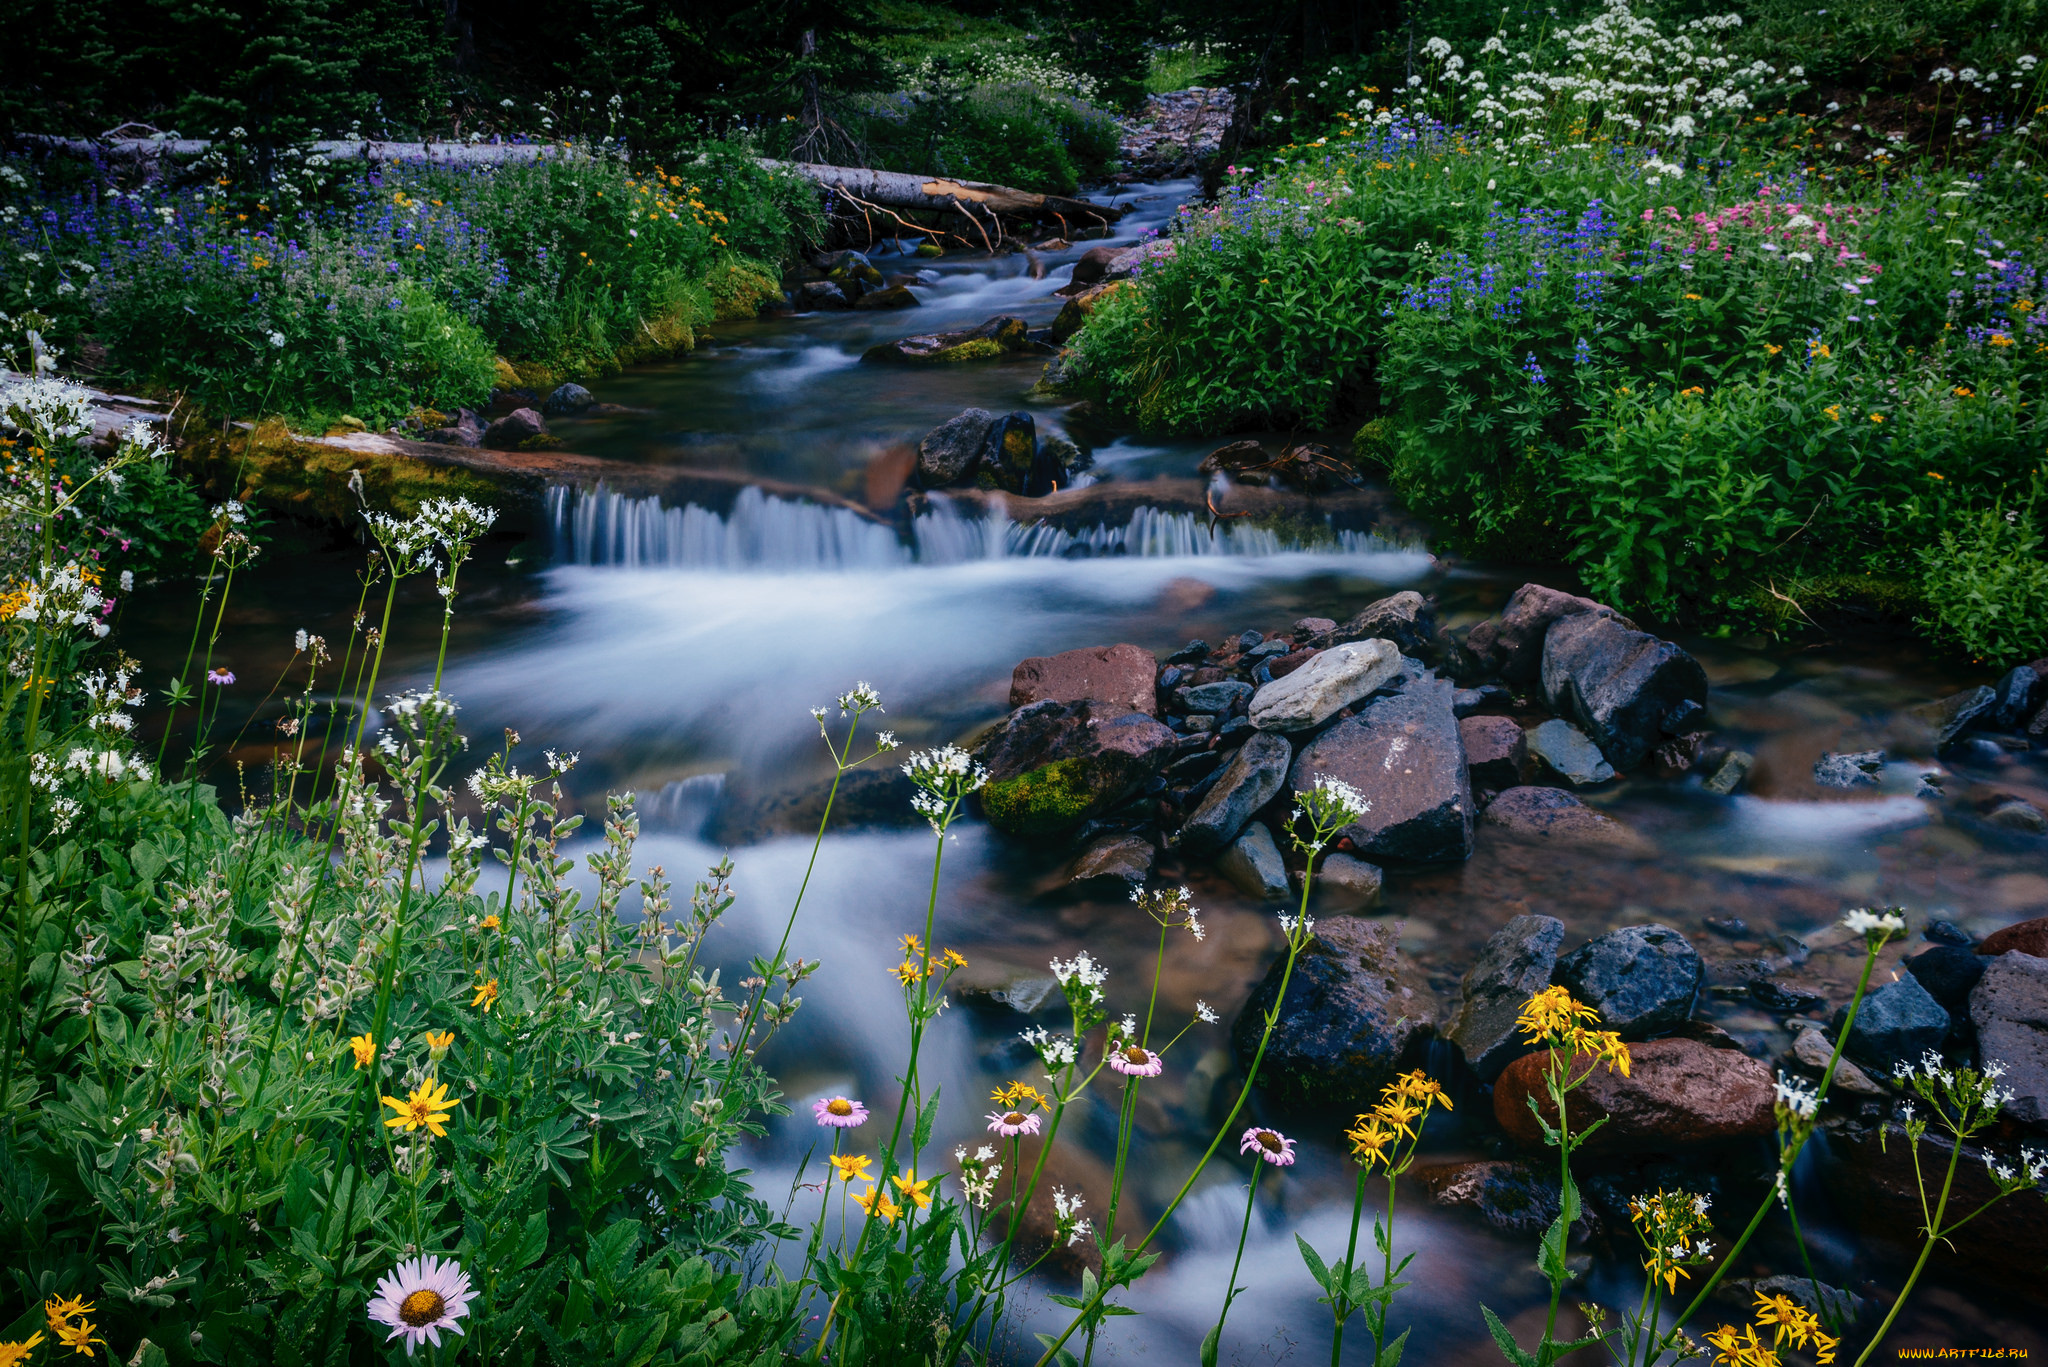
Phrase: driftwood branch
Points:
(939, 194)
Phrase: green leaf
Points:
(1210, 1344)
(1391, 1357)
(1505, 1341)
(1316, 1267)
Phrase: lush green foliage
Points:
(1663, 342)
(397, 288)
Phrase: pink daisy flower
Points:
(839, 1113)
(1270, 1145)
(1136, 1061)
(1010, 1124)
(421, 1298)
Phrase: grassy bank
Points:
(1626, 302)
(320, 291)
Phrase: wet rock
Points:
(2015, 697)
(1515, 965)
(1729, 773)
(1818, 1298)
(2018, 814)
(1308, 628)
(1091, 267)
(1897, 1023)
(1678, 755)
(2009, 1007)
(1858, 769)
(1117, 678)
(1512, 1194)
(986, 341)
(1405, 618)
(1252, 863)
(1811, 1048)
(466, 430)
(1010, 458)
(1643, 980)
(949, 452)
(1219, 696)
(1054, 765)
(1942, 931)
(1625, 688)
(1125, 859)
(1495, 750)
(894, 297)
(1551, 814)
(1401, 751)
(821, 294)
(1319, 689)
(1511, 645)
(1345, 884)
(1678, 1092)
(514, 430)
(1254, 777)
(567, 399)
(1564, 754)
(1468, 701)
(1004, 988)
(1233, 460)
(1958, 712)
(1355, 1014)
(2024, 937)
(1772, 995)
(1876, 1186)
(1948, 972)
(1728, 927)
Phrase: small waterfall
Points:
(602, 527)
(682, 806)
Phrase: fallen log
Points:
(456, 153)
(983, 202)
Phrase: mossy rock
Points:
(1373, 447)
(930, 249)
(1052, 798)
(273, 467)
(739, 289)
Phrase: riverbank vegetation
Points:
(1615, 296)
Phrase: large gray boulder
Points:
(1255, 776)
(1329, 682)
(2009, 1007)
(1355, 1014)
(1402, 752)
(1511, 644)
(1626, 688)
(1896, 1024)
(949, 452)
(1643, 980)
(1515, 965)
(1252, 862)
(1562, 753)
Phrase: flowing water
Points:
(679, 650)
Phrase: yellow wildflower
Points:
(437, 1044)
(914, 1191)
(61, 1312)
(1554, 1015)
(79, 1338)
(1370, 1139)
(18, 1351)
(852, 1168)
(876, 1202)
(490, 922)
(423, 1106)
(486, 994)
(1011, 1095)
(1400, 1114)
(365, 1050)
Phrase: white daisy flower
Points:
(420, 1298)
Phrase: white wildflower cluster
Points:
(1069, 1224)
(1080, 977)
(862, 697)
(1055, 1051)
(1876, 927)
(1328, 808)
(1205, 1013)
(456, 523)
(978, 1174)
(69, 597)
(1297, 926)
(1618, 68)
(943, 777)
(1796, 1100)
(424, 719)
(49, 411)
(1171, 908)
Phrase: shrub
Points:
(1986, 581)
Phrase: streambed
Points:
(679, 651)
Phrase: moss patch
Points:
(279, 470)
(739, 288)
(1045, 800)
(980, 349)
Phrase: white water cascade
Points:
(602, 527)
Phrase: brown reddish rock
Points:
(1401, 751)
(2028, 937)
(1494, 750)
(1287, 664)
(1513, 1194)
(1512, 644)
(1119, 678)
(1554, 816)
(1678, 1091)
